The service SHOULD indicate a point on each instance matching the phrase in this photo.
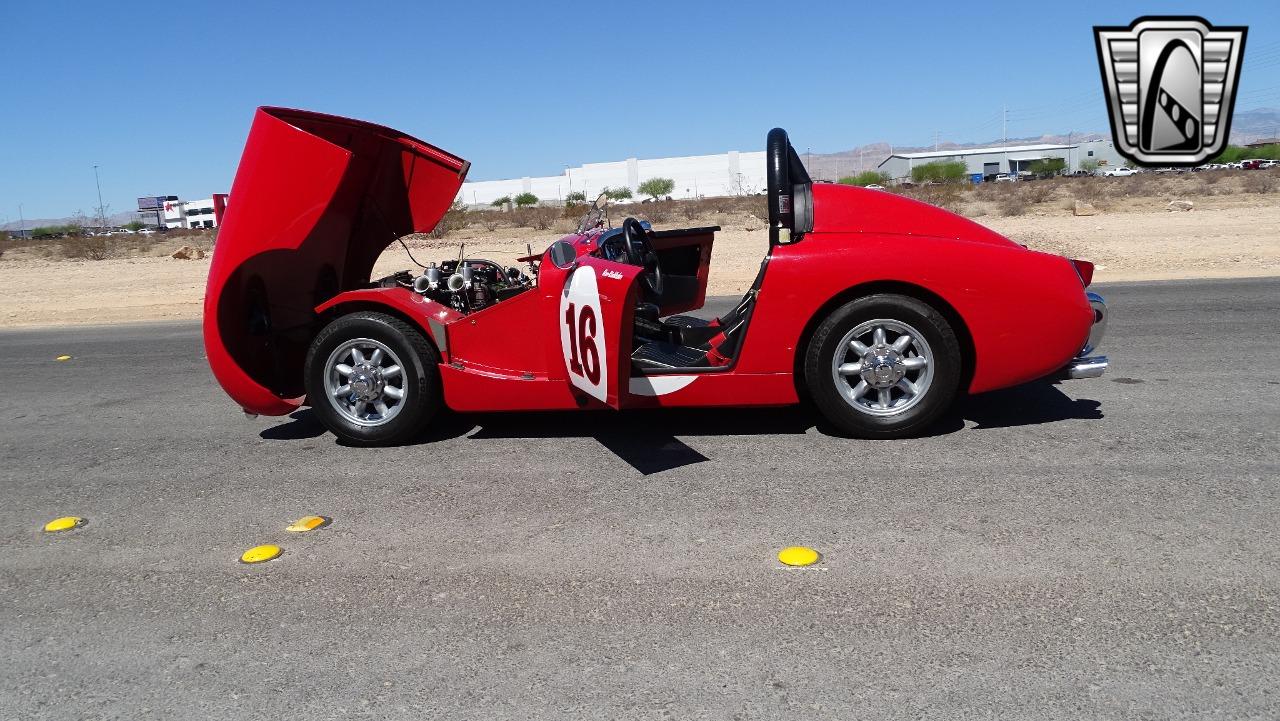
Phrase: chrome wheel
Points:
(882, 367)
(364, 381)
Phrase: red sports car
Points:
(878, 308)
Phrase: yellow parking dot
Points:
(66, 523)
(63, 358)
(308, 523)
(258, 554)
(798, 556)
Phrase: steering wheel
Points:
(640, 252)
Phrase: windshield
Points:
(597, 216)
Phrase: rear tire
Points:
(372, 379)
(883, 366)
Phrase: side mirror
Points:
(564, 255)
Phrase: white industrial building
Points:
(1013, 159)
(695, 176)
(738, 173)
(205, 213)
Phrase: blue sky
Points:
(160, 95)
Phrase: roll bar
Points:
(790, 190)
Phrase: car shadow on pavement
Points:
(1029, 404)
(302, 424)
(644, 439)
(648, 440)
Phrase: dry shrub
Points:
(659, 211)
(1012, 204)
(1090, 190)
(1142, 185)
(538, 218)
(544, 218)
(1259, 181)
(1211, 183)
(989, 192)
(756, 205)
(91, 247)
(454, 219)
(718, 206)
(1038, 192)
(943, 195)
(703, 208)
(488, 219)
(144, 243)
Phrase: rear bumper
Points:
(1091, 367)
(1086, 364)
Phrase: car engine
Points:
(465, 285)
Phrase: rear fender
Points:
(1025, 311)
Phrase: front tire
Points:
(883, 366)
(372, 379)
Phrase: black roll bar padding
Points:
(778, 183)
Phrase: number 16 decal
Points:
(582, 334)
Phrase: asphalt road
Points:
(1100, 549)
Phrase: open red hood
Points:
(315, 201)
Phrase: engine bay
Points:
(466, 284)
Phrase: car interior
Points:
(685, 343)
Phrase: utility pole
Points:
(1004, 132)
(22, 222)
(935, 141)
(102, 214)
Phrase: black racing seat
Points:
(697, 331)
(694, 342)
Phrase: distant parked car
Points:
(1005, 178)
(873, 186)
(1268, 164)
(1252, 163)
(1120, 172)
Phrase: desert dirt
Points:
(1131, 238)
